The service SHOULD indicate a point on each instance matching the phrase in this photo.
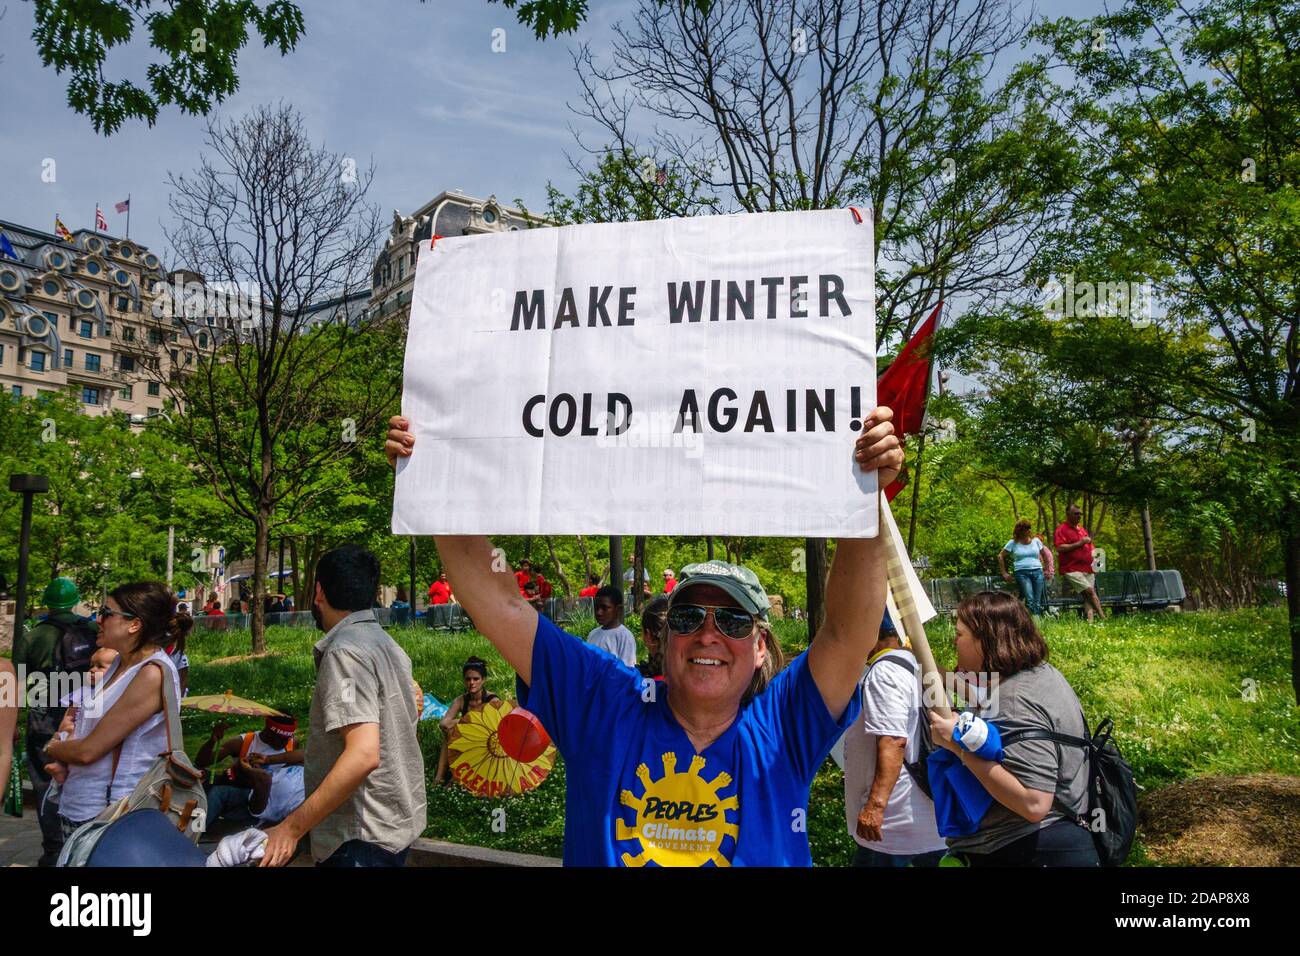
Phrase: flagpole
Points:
(128, 215)
(900, 596)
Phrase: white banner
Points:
(685, 376)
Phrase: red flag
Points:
(905, 385)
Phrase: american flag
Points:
(100, 221)
(123, 206)
(661, 175)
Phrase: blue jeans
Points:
(360, 853)
(226, 802)
(874, 858)
(1032, 587)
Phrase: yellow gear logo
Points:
(681, 819)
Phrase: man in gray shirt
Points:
(364, 775)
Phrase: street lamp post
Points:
(29, 486)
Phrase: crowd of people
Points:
(714, 715)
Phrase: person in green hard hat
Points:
(59, 645)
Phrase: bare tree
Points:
(286, 390)
(813, 104)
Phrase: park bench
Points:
(1120, 590)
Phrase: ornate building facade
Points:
(80, 316)
(450, 213)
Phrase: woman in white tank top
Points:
(123, 715)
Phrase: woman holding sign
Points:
(713, 765)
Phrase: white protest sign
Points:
(685, 376)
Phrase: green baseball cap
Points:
(741, 583)
(61, 594)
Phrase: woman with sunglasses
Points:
(123, 724)
(714, 764)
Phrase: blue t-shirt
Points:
(638, 793)
(1026, 555)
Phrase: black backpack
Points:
(1112, 792)
(919, 769)
(75, 646)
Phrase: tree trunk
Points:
(817, 564)
(261, 559)
(1147, 541)
(1056, 522)
(616, 560)
(559, 571)
(586, 559)
(1291, 554)
(638, 572)
(708, 547)
(295, 575)
(1101, 520)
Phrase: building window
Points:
(92, 268)
(153, 388)
(126, 363)
(53, 319)
(92, 362)
(16, 391)
(108, 328)
(72, 322)
(51, 287)
(2, 353)
(128, 334)
(86, 299)
(175, 356)
(67, 358)
(123, 304)
(155, 337)
(173, 337)
(401, 269)
(89, 396)
(189, 358)
(37, 361)
(86, 329)
(153, 412)
(203, 340)
(125, 392)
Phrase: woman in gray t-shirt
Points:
(1040, 787)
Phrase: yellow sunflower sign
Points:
(499, 751)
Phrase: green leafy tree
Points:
(1188, 124)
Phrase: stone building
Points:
(450, 213)
(81, 316)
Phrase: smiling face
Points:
(706, 667)
(117, 632)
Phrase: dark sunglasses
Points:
(107, 611)
(731, 621)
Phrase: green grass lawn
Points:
(1191, 695)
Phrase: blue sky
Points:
(415, 86)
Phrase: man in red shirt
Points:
(593, 585)
(1074, 547)
(440, 590)
(670, 581)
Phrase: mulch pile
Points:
(1223, 821)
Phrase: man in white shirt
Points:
(888, 815)
(612, 635)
